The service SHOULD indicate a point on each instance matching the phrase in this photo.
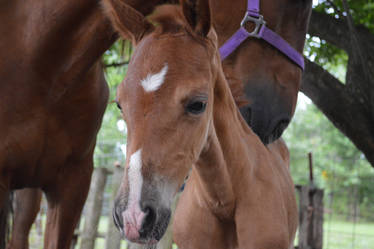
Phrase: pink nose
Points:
(132, 220)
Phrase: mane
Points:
(169, 19)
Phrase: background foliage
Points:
(326, 54)
(339, 167)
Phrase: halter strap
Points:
(261, 32)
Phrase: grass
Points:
(338, 234)
(346, 235)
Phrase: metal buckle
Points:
(259, 22)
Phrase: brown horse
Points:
(54, 96)
(271, 91)
(260, 76)
(27, 205)
(53, 99)
(181, 116)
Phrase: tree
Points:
(112, 136)
(345, 29)
(339, 167)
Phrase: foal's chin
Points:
(143, 223)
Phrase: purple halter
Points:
(260, 31)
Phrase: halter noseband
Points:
(261, 32)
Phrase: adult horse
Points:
(181, 115)
(262, 77)
(53, 99)
(271, 89)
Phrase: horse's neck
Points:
(74, 35)
(226, 152)
(214, 178)
(227, 22)
(52, 40)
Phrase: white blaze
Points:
(153, 81)
(135, 178)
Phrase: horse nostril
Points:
(279, 128)
(117, 220)
(246, 112)
(148, 221)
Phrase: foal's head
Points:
(166, 100)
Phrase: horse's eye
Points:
(119, 107)
(196, 107)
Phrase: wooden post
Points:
(310, 217)
(4, 213)
(74, 240)
(113, 236)
(311, 177)
(310, 213)
(93, 208)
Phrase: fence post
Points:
(93, 208)
(310, 217)
(113, 236)
(4, 226)
(74, 240)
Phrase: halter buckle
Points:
(259, 22)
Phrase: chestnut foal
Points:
(181, 116)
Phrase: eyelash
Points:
(118, 106)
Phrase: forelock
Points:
(168, 18)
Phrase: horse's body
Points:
(264, 213)
(27, 205)
(54, 96)
(51, 75)
(181, 115)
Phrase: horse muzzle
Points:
(144, 224)
(269, 111)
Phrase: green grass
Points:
(346, 235)
(338, 234)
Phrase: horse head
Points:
(167, 101)
(264, 81)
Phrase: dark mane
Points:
(168, 18)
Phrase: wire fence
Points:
(348, 223)
(348, 229)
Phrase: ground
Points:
(338, 234)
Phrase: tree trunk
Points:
(349, 106)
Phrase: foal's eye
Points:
(196, 106)
(119, 107)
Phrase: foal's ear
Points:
(130, 23)
(197, 14)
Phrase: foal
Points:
(181, 116)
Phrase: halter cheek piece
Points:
(261, 32)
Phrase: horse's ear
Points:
(130, 23)
(197, 14)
